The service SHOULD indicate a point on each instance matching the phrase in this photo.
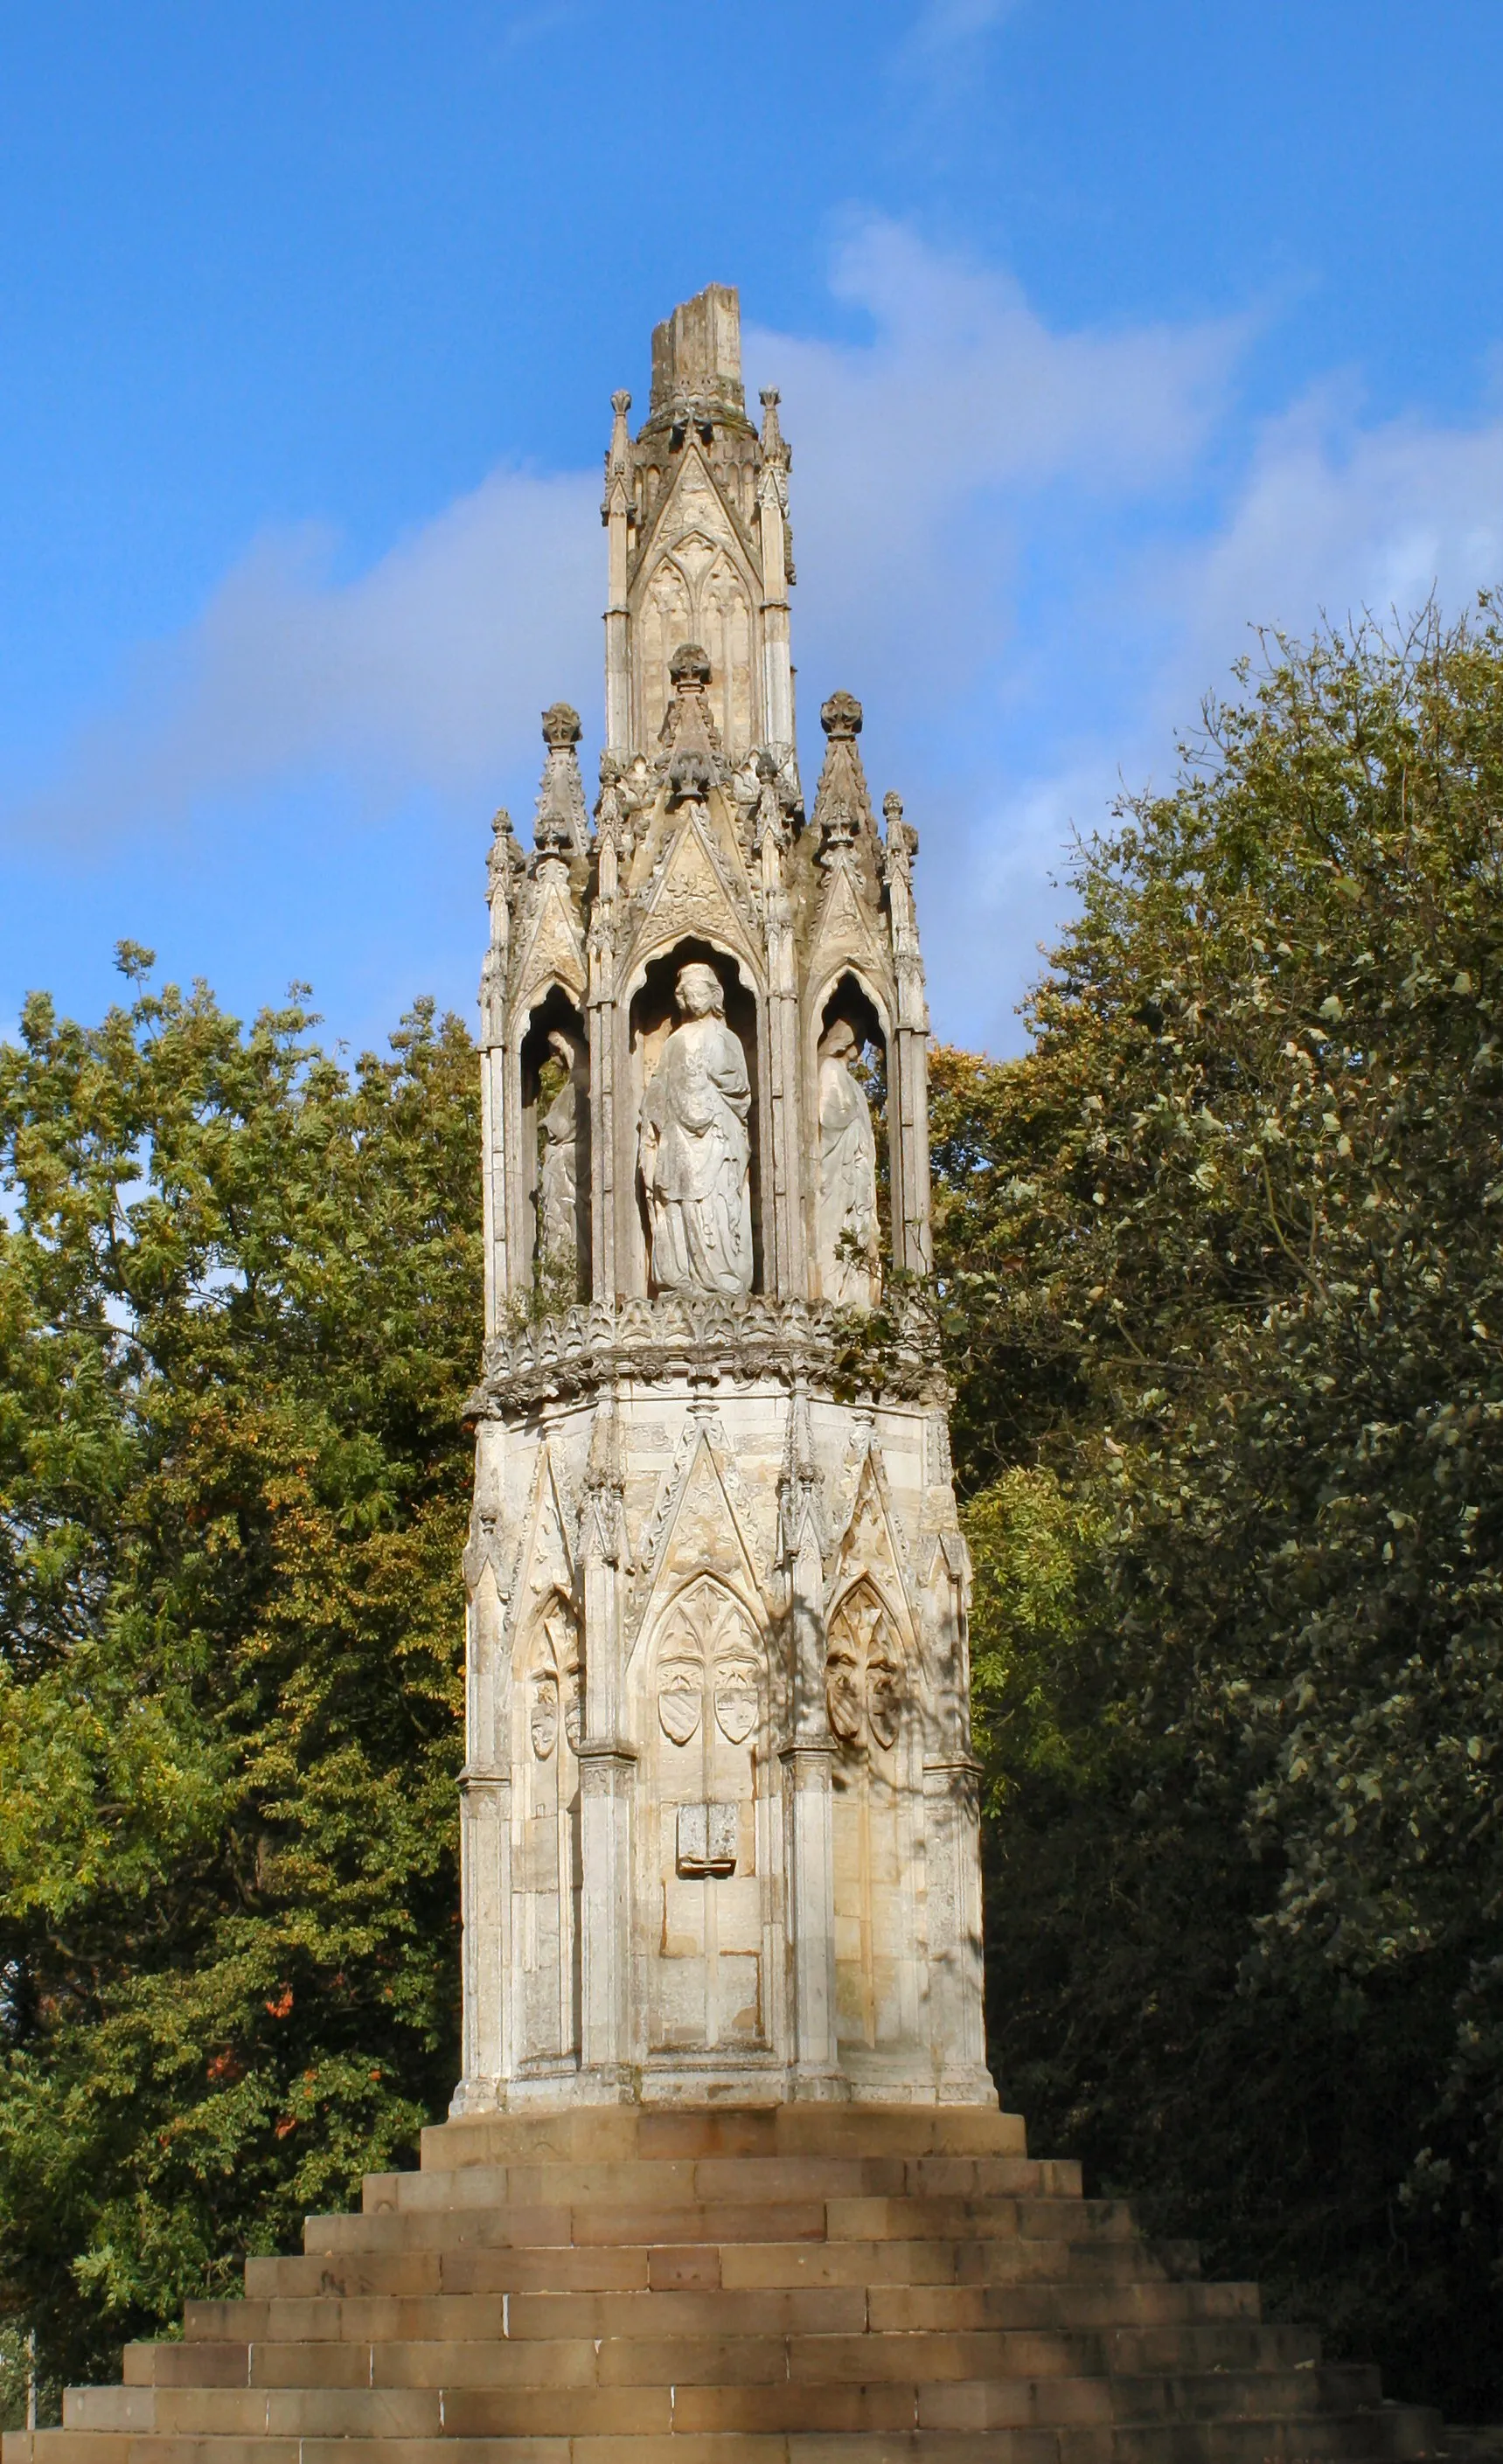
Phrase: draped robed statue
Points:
(849, 1236)
(694, 1149)
(558, 1171)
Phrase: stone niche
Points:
(654, 1018)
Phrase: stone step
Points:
(1323, 2423)
(565, 2389)
(457, 2317)
(673, 2326)
(808, 2285)
(809, 2218)
(1395, 2435)
(555, 2182)
(547, 2267)
(589, 2133)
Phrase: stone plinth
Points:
(726, 1844)
(792, 2286)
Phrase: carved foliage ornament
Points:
(864, 1672)
(708, 1667)
(554, 1677)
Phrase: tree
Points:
(1220, 1259)
(238, 1293)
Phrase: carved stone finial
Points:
(504, 859)
(561, 822)
(621, 403)
(902, 839)
(688, 668)
(690, 773)
(841, 717)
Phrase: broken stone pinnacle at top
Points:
(696, 353)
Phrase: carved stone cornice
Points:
(701, 1340)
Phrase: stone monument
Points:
(726, 2180)
(720, 1815)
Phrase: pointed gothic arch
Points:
(875, 1700)
(847, 997)
(553, 1114)
(703, 1706)
(546, 1873)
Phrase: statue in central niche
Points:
(695, 1151)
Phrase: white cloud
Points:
(942, 24)
(1034, 552)
(1030, 551)
(1336, 518)
(917, 452)
(427, 672)
(934, 464)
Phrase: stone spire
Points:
(696, 509)
(561, 821)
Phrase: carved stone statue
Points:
(693, 1148)
(850, 1250)
(558, 1172)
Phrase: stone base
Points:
(703, 2087)
(807, 2284)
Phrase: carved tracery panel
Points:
(706, 1714)
(665, 619)
(546, 1863)
(725, 627)
(877, 1794)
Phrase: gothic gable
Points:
(847, 931)
(702, 1520)
(545, 1558)
(871, 1550)
(551, 948)
(694, 514)
(695, 580)
(695, 884)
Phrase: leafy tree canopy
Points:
(1219, 1267)
(239, 1287)
(1221, 1263)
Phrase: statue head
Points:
(699, 992)
(839, 1042)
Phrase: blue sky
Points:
(1104, 333)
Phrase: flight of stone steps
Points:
(801, 2285)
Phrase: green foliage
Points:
(1223, 1281)
(1220, 1280)
(238, 1293)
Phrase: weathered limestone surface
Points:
(720, 1808)
(726, 2180)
